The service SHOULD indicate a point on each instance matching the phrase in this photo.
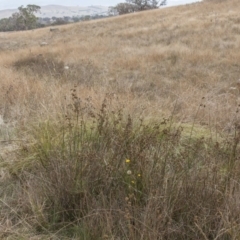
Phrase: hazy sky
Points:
(8, 4)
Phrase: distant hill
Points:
(61, 11)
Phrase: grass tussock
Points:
(40, 66)
(47, 66)
(102, 174)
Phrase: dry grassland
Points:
(181, 62)
(156, 62)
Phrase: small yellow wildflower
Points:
(132, 182)
(127, 161)
(139, 175)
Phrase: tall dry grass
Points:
(64, 173)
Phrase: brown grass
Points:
(181, 64)
(177, 54)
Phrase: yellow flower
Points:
(127, 161)
(132, 182)
(139, 175)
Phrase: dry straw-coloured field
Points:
(156, 62)
(181, 64)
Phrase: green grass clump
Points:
(103, 174)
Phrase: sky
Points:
(14, 4)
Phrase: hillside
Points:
(173, 66)
(180, 53)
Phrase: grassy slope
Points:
(157, 58)
(181, 62)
